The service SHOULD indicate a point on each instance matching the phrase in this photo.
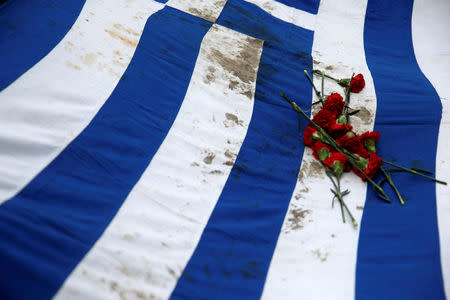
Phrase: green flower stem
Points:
(347, 96)
(323, 77)
(388, 178)
(336, 192)
(333, 143)
(318, 72)
(340, 195)
(350, 214)
(314, 87)
(415, 172)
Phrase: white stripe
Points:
(314, 246)
(431, 40)
(205, 9)
(149, 242)
(48, 106)
(287, 13)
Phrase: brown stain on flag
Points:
(125, 35)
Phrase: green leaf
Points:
(353, 112)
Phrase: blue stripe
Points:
(51, 224)
(311, 6)
(29, 31)
(161, 1)
(398, 254)
(233, 256)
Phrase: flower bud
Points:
(361, 162)
(323, 154)
(338, 168)
(370, 145)
(344, 82)
(342, 120)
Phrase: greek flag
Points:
(146, 153)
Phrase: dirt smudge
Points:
(244, 71)
(209, 158)
(233, 119)
(295, 219)
(127, 237)
(311, 169)
(71, 65)
(172, 272)
(301, 192)
(210, 76)
(127, 30)
(209, 14)
(229, 154)
(89, 59)
(364, 115)
(321, 256)
(216, 172)
(233, 84)
(121, 33)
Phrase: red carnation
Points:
(338, 130)
(368, 139)
(322, 151)
(324, 118)
(374, 135)
(334, 104)
(308, 136)
(357, 83)
(363, 153)
(319, 146)
(352, 144)
(336, 162)
(373, 165)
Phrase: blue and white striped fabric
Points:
(145, 152)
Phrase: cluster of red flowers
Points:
(334, 121)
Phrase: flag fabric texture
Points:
(146, 153)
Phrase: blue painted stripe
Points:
(30, 29)
(233, 256)
(161, 1)
(311, 6)
(51, 224)
(398, 254)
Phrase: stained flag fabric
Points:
(146, 153)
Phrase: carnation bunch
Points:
(338, 146)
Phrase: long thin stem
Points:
(323, 77)
(347, 96)
(337, 193)
(414, 172)
(327, 76)
(314, 87)
(388, 178)
(335, 145)
(343, 202)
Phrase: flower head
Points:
(324, 118)
(352, 144)
(322, 151)
(357, 83)
(308, 135)
(336, 162)
(339, 130)
(369, 139)
(373, 165)
(334, 104)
